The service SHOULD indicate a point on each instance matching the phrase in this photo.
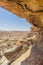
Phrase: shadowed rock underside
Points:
(31, 10)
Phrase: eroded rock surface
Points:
(31, 10)
(35, 58)
(36, 55)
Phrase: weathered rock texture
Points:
(31, 10)
(36, 56)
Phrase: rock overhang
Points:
(31, 10)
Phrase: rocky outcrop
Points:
(35, 58)
(36, 55)
(31, 10)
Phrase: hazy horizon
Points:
(11, 22)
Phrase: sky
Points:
(11, 22)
